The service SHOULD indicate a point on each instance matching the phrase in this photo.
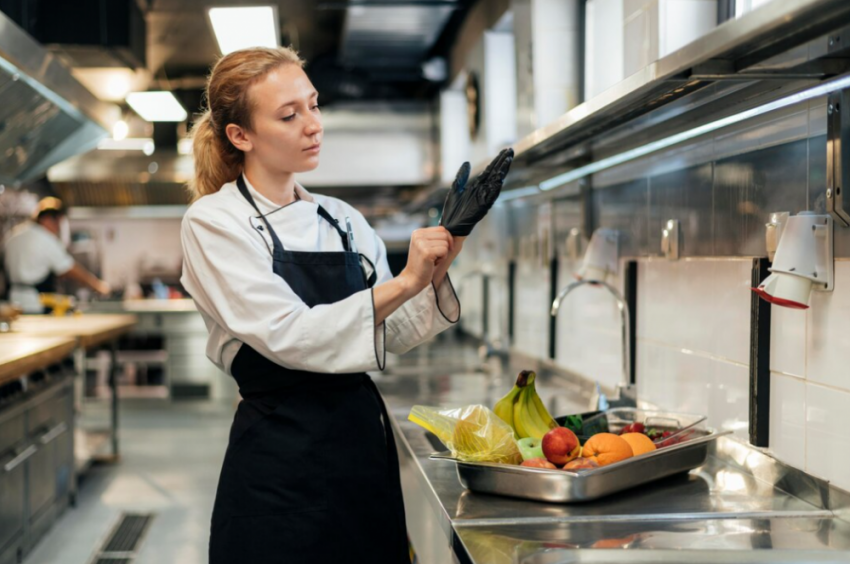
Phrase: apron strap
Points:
(324, 214)
(243, 189)
(335, 224)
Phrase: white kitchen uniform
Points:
(227, 269)
(33, 254)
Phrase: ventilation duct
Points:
(46, 116)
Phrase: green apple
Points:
(530, 447)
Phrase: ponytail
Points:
(217, 161)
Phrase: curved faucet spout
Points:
(625, 317)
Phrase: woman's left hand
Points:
(442, 266)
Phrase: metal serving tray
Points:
(561, 486)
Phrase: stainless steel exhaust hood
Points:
(46, 116)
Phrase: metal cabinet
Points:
(37, 478)
(13, 456)
(49, 468)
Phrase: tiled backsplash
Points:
(531, 306)
(693, 314)
(588, 331)
(810, 383)
(693, 333)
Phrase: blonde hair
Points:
(217, 161)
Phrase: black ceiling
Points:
(355, 49)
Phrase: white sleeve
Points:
(229, 274)
(420, 318)
(58, 258)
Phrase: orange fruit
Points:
(640, 443)
(606, 448)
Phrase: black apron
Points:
(49, 285)
(310, 474)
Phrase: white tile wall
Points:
(682, 380)
(699, 305)
(788, 341)
(469, 290)
(531, 309)
(788, 419)
(827, 440)
(730, 315)
(693, 351)
(499, 302)
(828, 339)
(588, 334)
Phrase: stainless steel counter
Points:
(737, 502)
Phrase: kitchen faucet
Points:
(627, 393)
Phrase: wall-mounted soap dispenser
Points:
(803, 262)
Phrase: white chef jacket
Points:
(227, 269)
(32, 254)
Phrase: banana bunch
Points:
(523, 409)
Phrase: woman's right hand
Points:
(427, 247)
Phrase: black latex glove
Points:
(468, 202)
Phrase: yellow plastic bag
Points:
(473, 433)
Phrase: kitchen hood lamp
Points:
(803, 261)
(157, 106)
(602, 257)
(242, 27)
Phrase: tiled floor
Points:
(171, 457)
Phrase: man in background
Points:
(36, 258)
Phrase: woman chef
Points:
(297, 316)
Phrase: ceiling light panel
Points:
(157, 106)
(242, 27)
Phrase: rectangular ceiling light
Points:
(242, 27)
(156, 106)
(144, 144)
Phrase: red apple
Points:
(538, 463)
(560, 445)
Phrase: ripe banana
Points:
(519, 415)
(504, 408)
(541, 410)
(523, 409)
(530, 422)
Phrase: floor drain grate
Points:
(124, 540)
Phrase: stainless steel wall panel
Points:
(685, 195)
(749, 187)
(625, 207)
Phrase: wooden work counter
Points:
(90, 330)
(20, 355)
